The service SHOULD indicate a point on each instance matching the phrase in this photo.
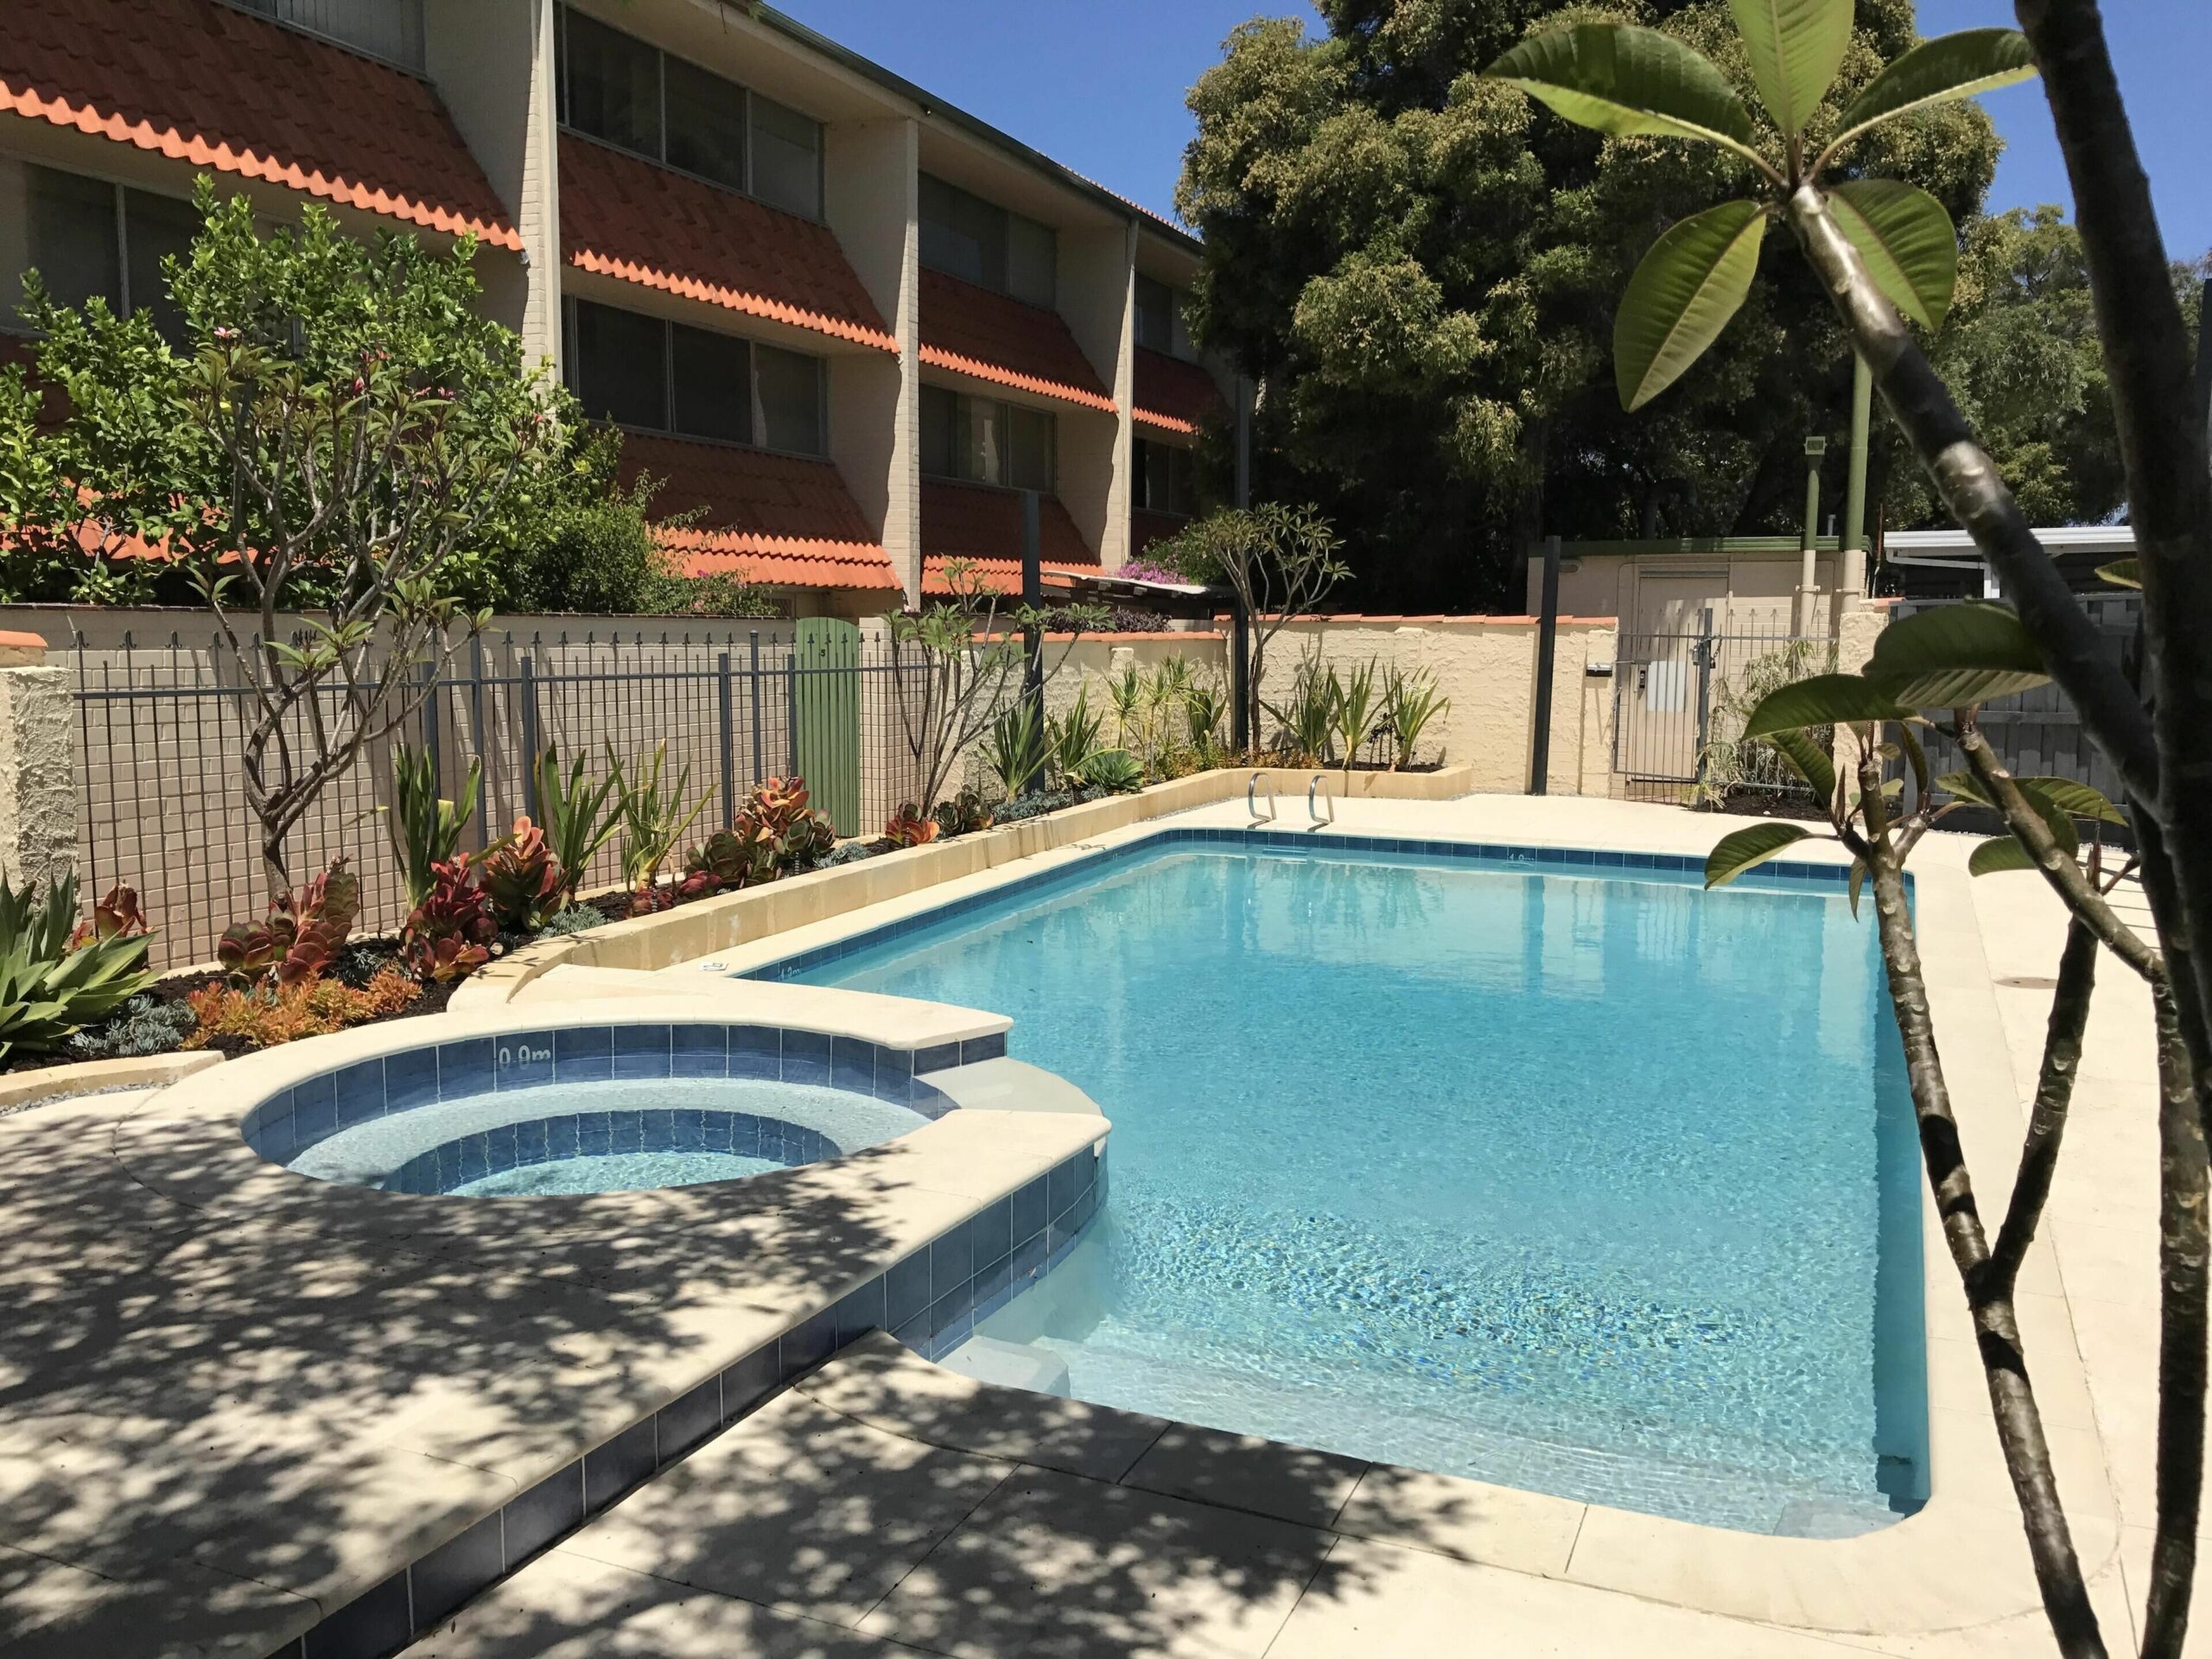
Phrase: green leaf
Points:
(1681, 297)
(1743, 848)
(1622, 79)
(1949, 66)
(2076, 799)
(1858, 883)
(1823, 700)
(2052, 814)
(1955, 654)
(1999, 853)
(1795, 46)
(2123, 573)
(1908, 241)
(1809, 760)
(1967, 787)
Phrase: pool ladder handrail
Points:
(1320, 822)
(1251, 806)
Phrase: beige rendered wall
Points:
(492, 61)
(1098, 296)
(868, 197)
(38, 776)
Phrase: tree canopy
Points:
(1420, 267)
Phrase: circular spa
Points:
(593, 1108)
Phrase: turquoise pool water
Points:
(1603, 1188)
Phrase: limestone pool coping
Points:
(1961, 1561)
(238, 1398)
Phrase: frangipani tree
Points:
(1887, 256)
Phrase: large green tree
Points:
(1421, 268)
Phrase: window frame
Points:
(564, 58)
(1007, 217)
(961, 402)
(571, 370)
(119, 193)
(414, 19)
(1141, 499)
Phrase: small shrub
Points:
(1053, 800)
(1018, 749)
(424, 828)
(908, 828)
(144, 1025)
(1116, 770)
(56, 978)
(575, 919)
(1410, 701)
(266, 1015)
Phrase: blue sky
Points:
(1100, 87)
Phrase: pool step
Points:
(884, 1504)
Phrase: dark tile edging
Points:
(1787, 872)
(942, 1289)
(289, 1122)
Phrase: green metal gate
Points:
(826, 717)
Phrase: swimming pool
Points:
(1572, 1178)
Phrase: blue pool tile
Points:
(560, 1140)
(531, 1142)
(753, 1051)
(1032, 1209)
(915, 1334)
(360, 1092)
(806, 1056)
(952, 1262)
(994, 1287)
(657, 1129)
(523, 1059)
(641, 1051)
(852, 1064)
(1028, 1258)
(499, 1147)
(689, 1419)
(410, 1078)
(992, 1047)
(627, 1132)
(809, 1344)
(936, 1057)
(715, 1131)
(594, 1134)
(697, 1052)
(951, 1318)
(613, 1469)
(990, 1232)
(690, 1128)
(465, 1068)
(930, 1102)
(860, 1311)
(583, 1053)
(375, 1622)
(745, 1134)
(554, 1506)
(1639, 861)
(1610, 860)
(1067, 1183)
(276, 1138)
(454, 1571)
(749, 1382)
(906, 1289)
(894, 1074)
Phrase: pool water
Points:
(1602, 1187)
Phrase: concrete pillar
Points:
(1850, 560)
(1808, 578)
(38, 762)
(1856, 630)
(1097, 285)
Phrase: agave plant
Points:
(1073, 737)
(301, 935)
(1357, 711)
(523, 879)
(55, 979)
(579, 818)
(1114, 770)
(426, 830)
(653, 817)
(1205, 706)
(1017, 749)
(1622, 79)
(1410, 701)
(1308, 716)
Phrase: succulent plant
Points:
(908, 828)
(449, 935)
(116, 917)
(522, 878)
(301, 935)
(738, 856)
(965, 814)
(53, 982)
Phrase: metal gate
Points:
(1679, 700)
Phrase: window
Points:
(966, 237)
(615, 87)
(666, 376)
(1159, 319)
(390, 29)
(86, 237)
(983, 441)
(1165, 483)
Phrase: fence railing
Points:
(1679, 698)
(163, 725)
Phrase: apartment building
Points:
(847, 323)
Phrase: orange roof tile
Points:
(623, 216)
(974, 331)
(1171, 394)
(982, 524)
(210, 84)
(785, 521)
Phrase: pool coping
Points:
(225, 1559)
(1960, 1560)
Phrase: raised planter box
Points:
(647, 942)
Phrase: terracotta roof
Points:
(976, 331)
(982, 524)
(210, 84)
(1171, 394)
(783, 520)
(622, 216)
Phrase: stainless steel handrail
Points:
(1252, 807)
(1319, 779)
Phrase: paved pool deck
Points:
(217, 1422)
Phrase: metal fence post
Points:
(528, 674)
(752, 698)
(477, 736)
(1540, 752)
(1704, 694)
(722, 691)
(430, 740)
(790, 703)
